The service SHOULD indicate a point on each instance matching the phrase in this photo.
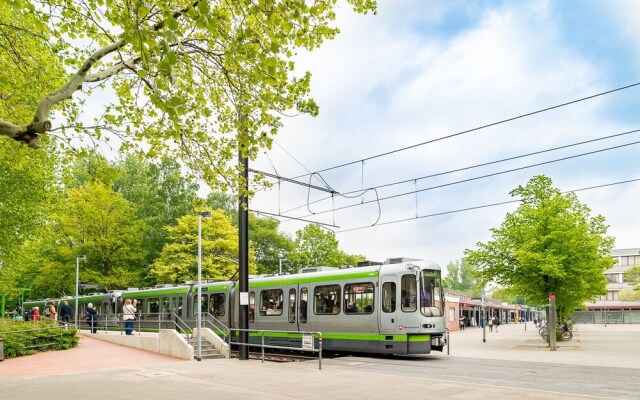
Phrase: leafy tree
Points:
(316, 247)
(198, 79)
(268, 243)
(161, 195)
(178, 260)
(461, 276)
(100, 223)
(549, 245)
(90, 220)
(264, 236)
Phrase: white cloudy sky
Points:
(420, 70)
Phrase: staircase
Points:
(208, 351)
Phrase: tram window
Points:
(430, 290)
(358, 298)
(140, 306)
(217, 304)
(154, 306)
(327, 299)
(271, 302)
(408, 291)
(292, 305)
(166, 308)
(179, 309)
(303, 305)
(389, 297)
(252, 307)
(205, 304)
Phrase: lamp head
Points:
(205, 214)
(81, 257)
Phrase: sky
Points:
(421, 70)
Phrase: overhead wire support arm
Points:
(294, 218)
(282, 178)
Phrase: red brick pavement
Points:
(90, 354)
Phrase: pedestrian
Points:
(496, 323)
(491, 324)
(128, 316)
(91, 316)
(462, 321)
(35, 314)
(65, 311)
(52, 311)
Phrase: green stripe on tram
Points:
(374, 337)
(142, 294)
(313, 279)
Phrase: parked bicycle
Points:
(564, 327)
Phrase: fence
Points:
(306, 345)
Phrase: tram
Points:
(395, 307)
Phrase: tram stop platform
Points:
(97, 369)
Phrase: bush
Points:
(22, 338)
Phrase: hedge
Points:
(21, 338)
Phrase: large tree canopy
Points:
(549, 245)
(202, 78)
(178, 260)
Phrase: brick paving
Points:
(90, 354)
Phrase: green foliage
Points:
(632, 275)
(196, 80)
(549, 245)
(461, 276)
(316, 247)
(268, 244)
(161, 195)
(178, 260)
(22, 338)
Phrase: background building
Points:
(621, 304)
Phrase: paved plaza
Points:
(473, 370)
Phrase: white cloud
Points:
(384, 84)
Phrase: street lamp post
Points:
(605, 309)
(482, 321)
(281, 254)
(200, 215)
(78, 258)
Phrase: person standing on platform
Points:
(35, 314)
(128, 316)
(92, 318)
(65, 311)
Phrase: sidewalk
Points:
(101, 370)
(618, 347)
(90, 354)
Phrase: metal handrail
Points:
(218, 325)
(264, 346)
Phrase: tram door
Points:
(388, 304)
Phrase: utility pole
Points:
(552, 322)
(243, 256)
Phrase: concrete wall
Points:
(215, 340)
(168, 342)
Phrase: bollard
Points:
(448, 341)
(1, 350)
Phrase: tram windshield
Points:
(431, 304)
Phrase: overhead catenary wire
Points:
(364, 190)
(474, 178)
(474, 129)
(478, 207)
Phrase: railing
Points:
(218, 326)
(305, 347)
